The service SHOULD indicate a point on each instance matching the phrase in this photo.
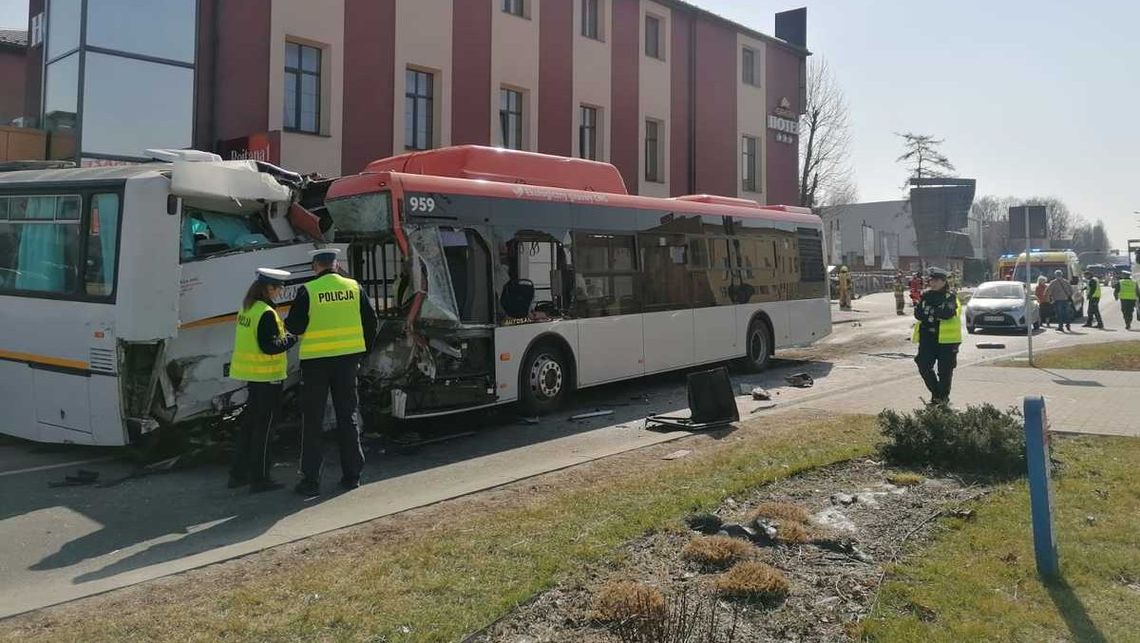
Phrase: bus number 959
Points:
(421, 203)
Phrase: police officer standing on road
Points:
(337, 325)
(1127, 292)
(844, 288)
(1093, 290)
(938, 333)
(259, 359)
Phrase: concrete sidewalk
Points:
(1076, 401)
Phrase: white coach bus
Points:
(119, 285)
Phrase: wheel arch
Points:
(555, 339)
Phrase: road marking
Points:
(47, 467)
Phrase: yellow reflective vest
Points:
(335, 327)
(249, 364)
(1127, 290)
(949, 330)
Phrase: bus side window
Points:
(39, 236)
(102, 245)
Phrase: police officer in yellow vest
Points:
(1127, 292)
(938, 333)
(337, 325)
(260, 342)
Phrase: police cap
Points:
(272, 276)
(937, 273)
(324, 254)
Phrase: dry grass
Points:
(628, 602)
(754, 581)
(904, 479)
(795, 532)
(779, 511)
(378, 581)
(978, 582)
(716, 552)
(1108, 356)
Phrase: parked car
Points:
(1000, 305)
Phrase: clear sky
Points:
(1032, 96)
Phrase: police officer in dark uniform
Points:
(938, 333)
(337, 325)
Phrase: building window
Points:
(653, 47)
(591, 19)
(588, 133)
(302, 88)
(515, 7)
(511, 118)
(654, 152)
(749, 73)
(749, 163)
(419, 110)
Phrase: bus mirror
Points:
(173, 204)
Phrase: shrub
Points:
(794, 532)
(754, 581)
(981, 439)
(628, 602)
(905, 479)
(779, 512)
(716, 552)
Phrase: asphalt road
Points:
(62, 543)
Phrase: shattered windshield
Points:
(362, 215)
(430, 274)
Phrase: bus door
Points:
(608, 306)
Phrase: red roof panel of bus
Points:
(506, 166)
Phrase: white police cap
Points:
(324, 254)
(273, 275)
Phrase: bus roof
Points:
(81, 174)
(533, 183)
(506, 166)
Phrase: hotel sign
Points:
(784, 123)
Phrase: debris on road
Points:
(679, 453)
(763, 407)
(591, 414)
(990, 345)
(800, 380)
(81, 478)
(761, 394)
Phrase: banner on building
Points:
(890, 251)
(868, 246)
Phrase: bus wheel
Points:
(544, 380)
(759, 346)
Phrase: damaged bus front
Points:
(430, 283)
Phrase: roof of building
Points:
(745, 29)
(14, 37)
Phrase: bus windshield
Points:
(362, 215)
(1040, 270)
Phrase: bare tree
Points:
(825, 174)
(992, 214)
(923, 158)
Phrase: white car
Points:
(1000, 305)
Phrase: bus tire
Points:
(758, 346)
(545, 379)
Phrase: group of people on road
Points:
(1055, 300)
(335, 326)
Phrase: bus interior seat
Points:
(518, 294)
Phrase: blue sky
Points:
(1032, 96)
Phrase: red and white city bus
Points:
(504, 276)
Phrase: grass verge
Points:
(978, 582)
(442, 583)
(1109, 356)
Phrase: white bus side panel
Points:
(107, 428)
(16, 394)
(810, 321)
(514, 340)
(716, 336)
(147, 301)
(610, 349)
(668, 340)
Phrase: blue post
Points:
(1040, 493)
